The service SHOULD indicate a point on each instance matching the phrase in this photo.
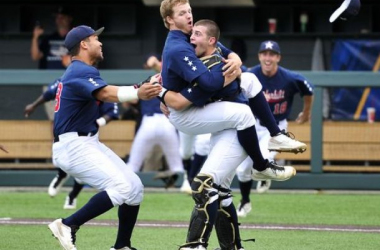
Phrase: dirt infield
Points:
(170, 224)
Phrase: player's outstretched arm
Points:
(111, 93)
(29, 109)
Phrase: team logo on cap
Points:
(269, 45)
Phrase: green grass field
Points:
(353, 211)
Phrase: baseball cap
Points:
(79, 33)
(269, 46)
(348, 9)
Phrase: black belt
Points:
(56, 138)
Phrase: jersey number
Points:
(280, 108)
(58, 97)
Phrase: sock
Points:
(248, 140)
(76, 190)
(186, 165)
(261, 110)
(61, 174)
(245, 190)
(196, 165)
(97, 205)
(127, 220)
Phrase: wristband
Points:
(127, 93)
(162, 94)
(101, 121)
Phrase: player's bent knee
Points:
(131, 194)
(202, 189)
(246, 118)
(244, 176)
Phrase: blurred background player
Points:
(108, 112)
(280, 85)
(156, 137)
(49, 50)
(155, 129)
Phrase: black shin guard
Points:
(203, 216)
(227, 228)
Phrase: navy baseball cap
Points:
(348, 9)
(270, 46)
(77, 34)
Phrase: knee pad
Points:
(203, 216)
(226, 224)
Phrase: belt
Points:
(56, 138)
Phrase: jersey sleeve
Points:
(185, 63)
(303, 85)
(89, 82)
(110, 109)
(224, 51)
(50, 93)
(191, 69)
(196, 95)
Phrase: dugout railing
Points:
(328, 141)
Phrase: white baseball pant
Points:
(89, 160)
(156, 130)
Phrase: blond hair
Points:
(166, 9)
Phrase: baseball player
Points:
(279, 87)
(108, 112)
(76, 147)
(149, 134)
(216, 172)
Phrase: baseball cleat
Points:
(55, 185)
(244, 208)
(285, 142)
(263, 186)
(70, 204)
(274, 172)
(64, 234)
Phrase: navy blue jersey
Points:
(281, 88)
(50, 93)
(180, 65)
(231, 92)
(150, 107)
(106, 108)
(110, 109)
(76, 109)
